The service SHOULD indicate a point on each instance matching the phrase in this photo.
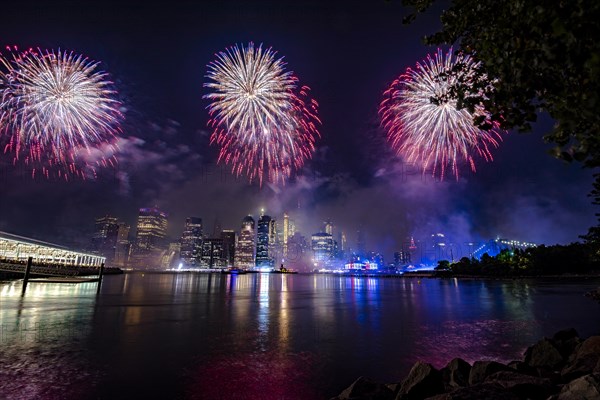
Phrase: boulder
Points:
(423, 381)
(586, 388)
(566, 341)
(483, 391)
(523, 368)
(483, 369)
(524, 386)
(365, 389)
(544, 354)
(456, 374)
(584, 360)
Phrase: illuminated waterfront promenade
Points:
(17, 249)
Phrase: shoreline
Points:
(562, 367)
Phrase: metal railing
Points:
(39, 269)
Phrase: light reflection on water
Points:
(264, 336)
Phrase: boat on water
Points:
(283, 270)
(234, 271)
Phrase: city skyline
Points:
(165, 158)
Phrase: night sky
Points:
(347, 52)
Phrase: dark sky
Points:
(348, 52)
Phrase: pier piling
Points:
(27, 272)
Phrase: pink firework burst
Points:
(264, 123)
(423, 122)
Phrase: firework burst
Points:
(55, 107)
(264, 123)
(422, 119)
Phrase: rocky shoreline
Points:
(563, 367)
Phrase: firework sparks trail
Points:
(423, 122)
(264, 123)
(56, 106)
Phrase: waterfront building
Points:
(264, 234)
(212, 254)
(123, 245)
(329, 227)
(17, 249)
(361, 242)
(245, 250)
(104, 240)
(229, 241)
(191, 242)
(171, 258)
(150, 238)
(322, 245)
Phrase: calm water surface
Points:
(261, 336)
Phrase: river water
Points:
(265, 336)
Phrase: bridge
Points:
(493, 247)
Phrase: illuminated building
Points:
(362, 265)
(286, 235)
(322, 246)
(264, 234)
(104, 241)
(361, 243)
(171, 257)
(150, 238)
(123, 245)
(229, 237)
(191, 242)
(401, 258)
(14, 248)
(244, 253)
(329, 227)
(212, 253)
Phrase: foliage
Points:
(542, 55)
(541, 260)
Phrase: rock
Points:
(423, 381)
(524, 386)
(365, 389)
(523, 368)
(483, 369)
(456, 374)
(586, 388)
(584, 360)
(566, 341)
(544, 354)
(483, 391)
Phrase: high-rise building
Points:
(212, 253)
(286, 235)
(244, 253)
(104, 241)
(322, 247)
(361, 243)
(150, 238)
(171, 258)
(264, 234)
(229, 238)
(329, 227)
(123, 245)
(191, 242)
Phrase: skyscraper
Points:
(212, 253)
(104, 241)
(244, 253)
(286, 235)
(150, 237)
(123, 245)
(191, 242)
(329, 227)
(228, 237)
(264, 235)
(322, 247)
